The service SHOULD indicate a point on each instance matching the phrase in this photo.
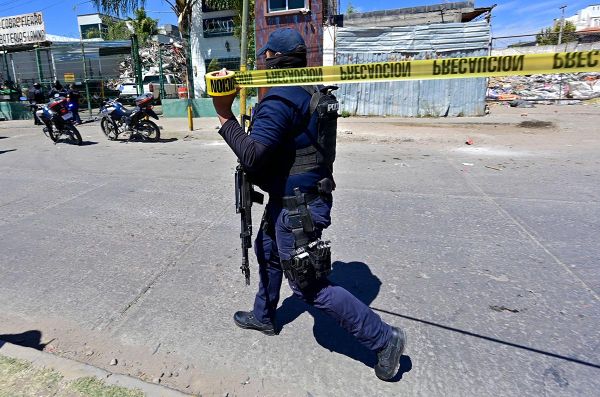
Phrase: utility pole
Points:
(560, 34)
(244, 57)
(562, 24)
(189, 72)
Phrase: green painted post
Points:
(135, 57)
(160, 73)
(6, 65)
(39, 65)
(85, 80)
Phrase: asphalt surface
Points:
(487, 255)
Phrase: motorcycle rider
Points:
(73, 103)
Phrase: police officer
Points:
(57, 88)
(36, 97)
(299, 189)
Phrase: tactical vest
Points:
(321, 151)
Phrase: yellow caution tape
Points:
(217, 85)
(449, 68)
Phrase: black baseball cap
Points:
(283, 40)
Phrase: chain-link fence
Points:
(91, 67)
(97, 69)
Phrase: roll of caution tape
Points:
(220, 85)
(444, 68)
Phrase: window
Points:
(285, 5)
(219, 63)
(214, 27)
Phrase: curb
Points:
(72, 369)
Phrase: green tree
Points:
(350, 9)
(143, 26)
(549, 36)
(92, 34)
(213, 66)
(116, 29)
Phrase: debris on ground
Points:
(520, 103)
(578, 86)
(469, 142)
(503, 309)
(493, 168)
(173, 59)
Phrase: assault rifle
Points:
(244, 197)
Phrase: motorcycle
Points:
(58, 121)
(116, 119)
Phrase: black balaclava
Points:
(294, 59)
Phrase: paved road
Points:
(130, 250)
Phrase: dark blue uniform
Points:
(282, 124)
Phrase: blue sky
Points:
(511, 17)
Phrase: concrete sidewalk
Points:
(69, 372)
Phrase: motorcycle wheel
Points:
(74, 136)
(109, 128)
(148, 130)
(52, 133)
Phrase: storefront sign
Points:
(22, 29)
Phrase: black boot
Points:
(247, 320)
(388, 358)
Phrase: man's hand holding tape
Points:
(223, 104)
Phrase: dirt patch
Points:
(536, 124)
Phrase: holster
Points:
(311, 263)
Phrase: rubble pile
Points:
(173, 59)
(575, 86)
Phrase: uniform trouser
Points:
(276, 243)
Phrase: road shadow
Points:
(88, 143)
(30, 339)
(3, 137)
(6, 151)
(356, 278)
(161, 140)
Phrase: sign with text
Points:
(22, 29)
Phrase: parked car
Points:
(128, 92)
(170, 82)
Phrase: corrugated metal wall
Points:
(423, 98)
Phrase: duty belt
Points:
(290, 203)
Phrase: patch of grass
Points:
(93, 387)
(18, 378)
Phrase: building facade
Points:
(456, 12)
(587, 18)
(93, 26)
(213, 43)
(415, 98)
